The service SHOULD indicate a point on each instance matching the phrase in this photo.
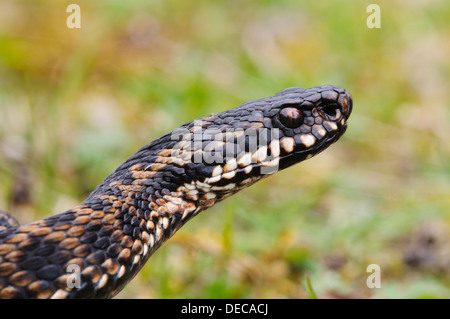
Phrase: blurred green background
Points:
(75, 103)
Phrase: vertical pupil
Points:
(291, 117)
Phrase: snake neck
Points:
(141, 205)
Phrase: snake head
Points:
(309, 120)
(228, 151)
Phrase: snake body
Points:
(93, 250)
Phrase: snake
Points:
(94, 249)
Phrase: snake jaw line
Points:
(275, 148)
(229, 175)
(245, 160)
(287, 143)
(318, 131)
(248, 169)
(308, 140)
(217, 171)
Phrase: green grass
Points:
(75, 104)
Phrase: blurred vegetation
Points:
(75, 103)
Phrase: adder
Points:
(93, 250)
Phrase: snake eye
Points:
(291, 117)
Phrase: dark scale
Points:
(110, 236)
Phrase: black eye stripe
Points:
(291, 117)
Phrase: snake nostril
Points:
(330, 111)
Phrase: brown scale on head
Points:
(93, 250)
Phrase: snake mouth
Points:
(301, 153)
(290, 159)
(283, 155)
